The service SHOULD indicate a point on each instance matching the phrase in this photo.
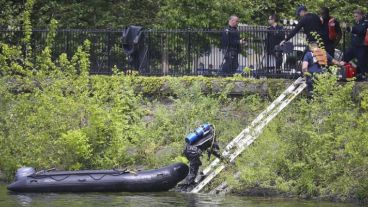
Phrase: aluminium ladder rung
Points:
(230, 145)
(241, 142)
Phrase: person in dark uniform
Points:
(358, 49)
(309, 22)
(230, 45)
(331, 29)
(194, 151)
(275, 35)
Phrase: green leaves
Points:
(321, 145)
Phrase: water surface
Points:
(8, 199)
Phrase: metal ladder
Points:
(249, 134)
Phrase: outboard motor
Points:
(23, 172)
(198, 133)
(134, 48)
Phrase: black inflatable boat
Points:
(163, 179)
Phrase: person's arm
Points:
(215, 150)
(338, 33)
(224, 40)
(297, 28)
(332, 60)
(305, 62)
(305, 66)
(235, 40)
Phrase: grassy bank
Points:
(316, 149)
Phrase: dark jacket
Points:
(310, 23)
(274, 36)
(358, 32)
(230, 39)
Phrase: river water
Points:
(8, 199)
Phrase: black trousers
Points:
(361, 54)
(330, 49)
(193, 154)
(309, 80)
(230, 62)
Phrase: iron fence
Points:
(173, 52)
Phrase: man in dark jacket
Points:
(275, 35)
(358, 49)
(309, 22)
(331, 29)
(230, 45)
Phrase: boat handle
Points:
(82, 180)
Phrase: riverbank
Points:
(257, 192)
(104, 122)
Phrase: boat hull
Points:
(162, 179)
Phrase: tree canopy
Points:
(171, 14)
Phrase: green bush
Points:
(316, 148)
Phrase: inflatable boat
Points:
(163, 179)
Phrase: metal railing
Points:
(172, 52)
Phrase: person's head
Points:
(272, 19)
(233, 21)
(358, 15)
(324, 12)
(313, 45)
(301, 11)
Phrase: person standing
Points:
(358, 48)
(275, 35)
(309, 22)
(230, 45)
(331, 29)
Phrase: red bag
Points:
(331, 29)
(366, 38)
(350, 71)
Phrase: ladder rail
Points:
(230, 145)
(249, 139)
(268, 109)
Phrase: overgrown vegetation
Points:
(53, 114)
(168, 14)
(315, 149)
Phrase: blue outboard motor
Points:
(198, 133)
(23, 172)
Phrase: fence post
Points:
(343, 40)
(189, 48)
(165, 58)
(109, 69)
